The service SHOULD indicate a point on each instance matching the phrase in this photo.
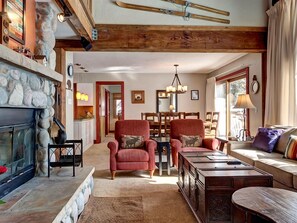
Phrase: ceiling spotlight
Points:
(82, 68)
(86, 71)
(62, 17)
(65, 14)
(78, 64)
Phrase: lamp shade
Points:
(244, 101)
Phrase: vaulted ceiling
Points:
(126, 46)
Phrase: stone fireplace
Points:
(27, 96)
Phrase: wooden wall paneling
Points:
(153, 38)
(60, 108)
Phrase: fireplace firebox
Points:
(17, 147)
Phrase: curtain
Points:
(210, 94)
(281, 104)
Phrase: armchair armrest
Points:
(211, 143)
(175, 143)
(114, 147)
(150, 146)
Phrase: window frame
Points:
(228, 78)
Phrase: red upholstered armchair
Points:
(134, 156)
(189, 127)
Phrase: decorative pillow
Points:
(191, 141)
(291, 148)
(267, 138)
(131, 141)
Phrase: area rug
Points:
(113, 209)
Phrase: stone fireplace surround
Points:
(25, 83)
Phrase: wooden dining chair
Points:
(212, 131)
(207, 122)
(192, 115)
(153, 119)
(169, 116)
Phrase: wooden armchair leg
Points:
(113, 174)
(152, 173)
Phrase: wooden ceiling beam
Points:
(81, 20)
(152, 38)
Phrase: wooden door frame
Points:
(98, 104)
(107, 111)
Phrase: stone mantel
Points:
(12, 57)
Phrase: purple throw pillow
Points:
(266, 138)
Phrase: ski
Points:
(170, 12)
(197, 6)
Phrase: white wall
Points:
(150, 83)
(242, 13)
(69, 99)
(253, 61)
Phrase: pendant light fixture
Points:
(176, 86)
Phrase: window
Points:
(227, 89)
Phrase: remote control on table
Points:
(233, 162)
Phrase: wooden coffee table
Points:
(263, 204)
(207, 182)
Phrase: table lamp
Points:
(243, 101)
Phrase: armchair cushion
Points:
(191, 141)
(137, 155)
(132, 141)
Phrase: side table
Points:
(265, 204)
(163, 142)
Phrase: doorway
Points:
(105, 108)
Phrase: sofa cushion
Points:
(250, 155)
(266, 139)
(291, 148)
(283, 140)
(132, 141)
(191, 141)
(132, 155)
(281, 169)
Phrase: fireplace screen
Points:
(16, 150)
(17, 153)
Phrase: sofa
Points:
(284, 170)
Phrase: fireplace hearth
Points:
(17, 147)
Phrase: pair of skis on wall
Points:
(184, 13)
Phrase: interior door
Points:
(107, 111)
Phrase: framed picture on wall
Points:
(137, 97)
(194, 94)
(16, 12)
